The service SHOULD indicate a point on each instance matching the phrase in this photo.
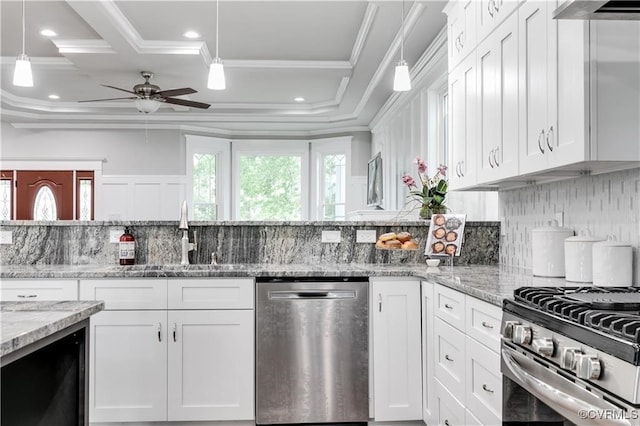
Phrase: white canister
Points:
(547, 249)
(612, 263)
(578, 251)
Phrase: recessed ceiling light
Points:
(299, 99)
(191, 34)
(53, 96)
(48, 33)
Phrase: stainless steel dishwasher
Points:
(312, 351)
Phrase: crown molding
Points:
(83, 46)
(363, 33)
(287, 64)
(44, 63)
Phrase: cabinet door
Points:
(396, 350)
(488, 123)
(32, 290)
(211, 371)
(463, 124)
(533, 83)
(128, 366)
(429, 401)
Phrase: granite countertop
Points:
(491, 283)
(24, 323)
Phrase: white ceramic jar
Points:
(547, 249)
(612, 263)
(578, 257)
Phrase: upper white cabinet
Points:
(498, 103)
(463, 124)
(461, 29)
(397, 362)
(491, 13)
(538, 84)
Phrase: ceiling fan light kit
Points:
(401, 79)
(147, 105)
(22, 75)
(216, 80)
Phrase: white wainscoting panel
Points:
(141, 197)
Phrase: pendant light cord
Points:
(402, 35)
(217, 25)
(23, 29)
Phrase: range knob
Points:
(507, 329)
(569, 358)
(543, 346)
(588, 367)
(521, 334)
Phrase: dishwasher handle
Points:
(311, 294)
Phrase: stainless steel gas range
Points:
(571, 355)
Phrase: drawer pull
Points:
(175, 327)
(486, 389)
(446, 423)
(159, 332)
(486, 324)
(27, 296)
(448, 306)
(448, 358)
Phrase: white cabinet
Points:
(466, 383)
(210, 365)
(43, 289)
(150, 363)
(538, 84)
(461, 29)
(498, 103)
(463, 114)
(397, 369)
(491, 13)
(128, 366)
(429, 400)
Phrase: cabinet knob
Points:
(486, 389)
(486, 324)
(448, 358)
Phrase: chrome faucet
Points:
(184, 227)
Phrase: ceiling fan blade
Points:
(109, 99)
(117, 88)
(176, 92)
(187, 103)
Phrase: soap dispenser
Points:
(127, 247)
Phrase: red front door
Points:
(29, 185)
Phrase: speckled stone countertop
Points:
(24, 323)
(491, 283)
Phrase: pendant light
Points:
(22, 75)
(216, 69)
(401, 79)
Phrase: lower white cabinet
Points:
(175, 365)
(128, 366)
(210, 365)
(465, 387)
(41, 289)
(397, 363)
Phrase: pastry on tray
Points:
(439, 233)
(451, 236)
(451, 249)
(437, 247)
(438, 219)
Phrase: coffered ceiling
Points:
(338, 55)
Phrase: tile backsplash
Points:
(607, 204)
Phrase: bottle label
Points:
(128, 250)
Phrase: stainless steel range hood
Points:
(627, 10)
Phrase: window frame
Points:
(221, 148)
(319, 149)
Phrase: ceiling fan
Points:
(148, 96)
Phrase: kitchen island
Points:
(44, 354)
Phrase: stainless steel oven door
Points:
(567, 397)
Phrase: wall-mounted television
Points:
(374, 182)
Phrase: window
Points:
(6, 195)
(208, 182)
(270, 180)
(331, 172)
(44, 206)
(334, 175)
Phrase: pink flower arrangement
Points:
(434, 189)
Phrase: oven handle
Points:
(557, 392)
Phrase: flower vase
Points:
(426, 212)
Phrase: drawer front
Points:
(483, 322)
(124, 294)
(450, 411)
(450, 306)
(484, 383)
(44, 289)
(211, 293)
(450, 358)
